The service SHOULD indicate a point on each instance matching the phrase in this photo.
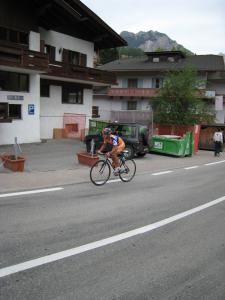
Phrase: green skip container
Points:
(172, 145)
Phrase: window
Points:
(155, 59)
(125, 130)
(4, 110)
(157, 83)
(14, 36)
(95, 112)
(14, 82)
(131, 105)
(15, 111)
(12, 111)
(171, 59)
(132, 82)
(72, 95)
(77, 58)
(50, 50)
(44, 89)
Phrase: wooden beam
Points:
(69, 9)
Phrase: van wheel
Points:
(130, 151)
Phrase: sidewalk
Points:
(54, 163)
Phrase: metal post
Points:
(92, 147)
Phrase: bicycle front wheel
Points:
(127, 170)
(100, 172)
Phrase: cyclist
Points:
(118, 146)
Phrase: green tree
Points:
(179, 101)
(130, 52)
(108, 55)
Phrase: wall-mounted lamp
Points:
(60, 50)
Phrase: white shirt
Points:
(218, 137)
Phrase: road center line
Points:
(113, 180)
(161, 173)
(104, 242)
(31, 192)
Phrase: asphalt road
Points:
(180, 257)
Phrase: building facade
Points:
(140, 79)
(47, 76)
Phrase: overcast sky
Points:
(199, 25)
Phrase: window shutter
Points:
(52, 54)
(83, 60)
(65, 56)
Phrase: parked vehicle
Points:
(135, 136)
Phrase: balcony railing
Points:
(133, 92)
(81, 73)
(21, 57)
(18, 56)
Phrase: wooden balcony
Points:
(60, 69)
(16, 56)
(133, 92)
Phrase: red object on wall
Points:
(180, 130)
(73, 124)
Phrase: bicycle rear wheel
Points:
(127, 170)
(100, 172)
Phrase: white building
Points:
(47, 76)
(140, 79)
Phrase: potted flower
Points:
(86, 158)
(14, 162)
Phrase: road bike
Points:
(100, 172)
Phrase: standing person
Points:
(218, 142)
(118, 146)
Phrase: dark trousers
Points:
(218, 148)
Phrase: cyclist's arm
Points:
(102, 148)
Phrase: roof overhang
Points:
(74, 18)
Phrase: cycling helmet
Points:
(106, 131)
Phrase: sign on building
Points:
(31, 109)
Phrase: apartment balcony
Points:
(133, 92)
(217, 76)
(16, 56)
(60, 69)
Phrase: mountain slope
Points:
(151, 41)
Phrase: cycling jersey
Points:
(114, 140)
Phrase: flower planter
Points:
(86, 158)
(15, 165)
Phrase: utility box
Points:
(172, 145)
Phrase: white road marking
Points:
(31, 192)
(104, 242)
(215, 163)
(113, 180)
(161, 173)
(193, 167)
